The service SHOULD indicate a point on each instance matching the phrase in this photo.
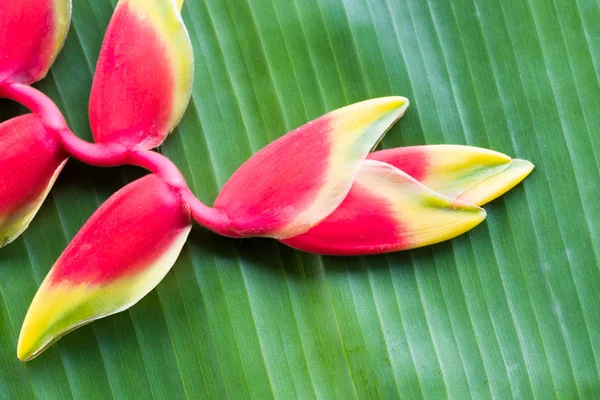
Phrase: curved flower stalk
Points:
(134, 238)
(319, 188)
(133, 104)
(131, 242)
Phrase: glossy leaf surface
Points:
(508, 310)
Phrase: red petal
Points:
(296, 181)
(144, 75)
(31, 35)
(120, 254)
(30, 161)
(133, 227)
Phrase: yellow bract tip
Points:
(48, 319)
(361, 115)
(496, 185)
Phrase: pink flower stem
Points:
(112, 155)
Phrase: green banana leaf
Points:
(509, 310)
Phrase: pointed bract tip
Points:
(447, 219)
(498, 184)
(374, 114)
(33, 338)
(23, 352)
(450, 170)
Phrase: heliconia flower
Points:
(143, 78)
(388, 210)
(32, 33)
(467, 173)
(298, 180)
(30, 161)
(122, 252)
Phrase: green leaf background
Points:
(510, 310)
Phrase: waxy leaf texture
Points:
(508, 310)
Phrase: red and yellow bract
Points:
(30, 161)
(410, 197)
(32, 33)
(304, 176)
(121, 253)
(144, 75)
(468, 173)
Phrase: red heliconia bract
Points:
(144, 75)
(31, 35)
(467, 173)
(122, 252)
(30, 161)
(138, 96)
(296, 181)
